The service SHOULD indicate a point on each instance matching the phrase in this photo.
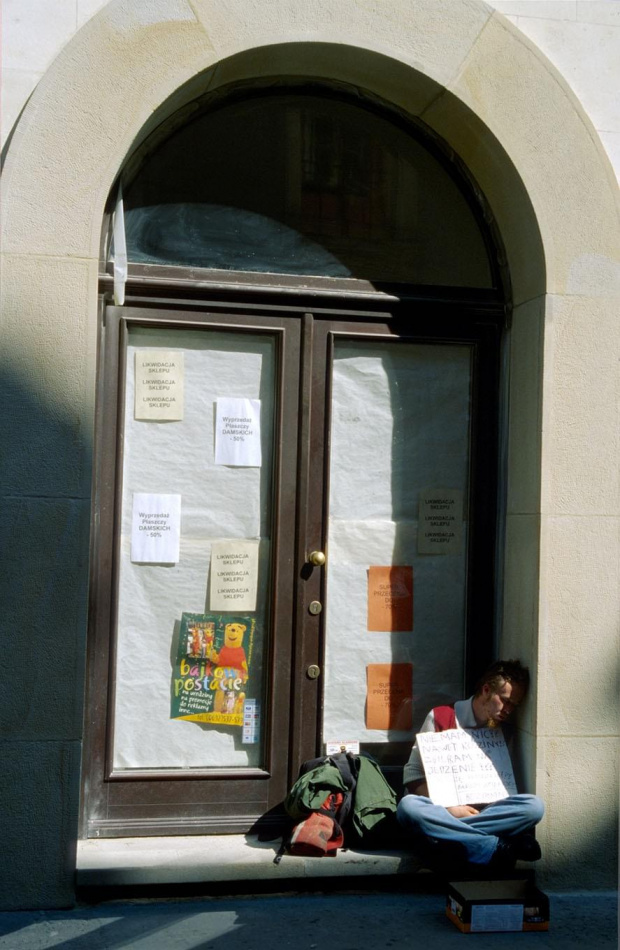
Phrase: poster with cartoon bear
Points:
(212, 670)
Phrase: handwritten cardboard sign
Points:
(388, 702)
(466, 766)
(390, 599)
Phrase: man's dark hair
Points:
(511, 671)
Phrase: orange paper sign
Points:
(390, 694)
(390, 598)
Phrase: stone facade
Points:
(530, 107)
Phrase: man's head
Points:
(499, 691)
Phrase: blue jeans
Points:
(478, 834)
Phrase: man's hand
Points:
(462, 811)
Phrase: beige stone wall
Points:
(580, 37)
(481, 84)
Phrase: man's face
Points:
(498, 706)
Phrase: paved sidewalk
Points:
(310, 921)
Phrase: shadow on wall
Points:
(44, 519)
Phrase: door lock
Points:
(315, 607)
(313, 671)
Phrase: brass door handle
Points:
(317, 558)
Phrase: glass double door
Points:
(289, 553)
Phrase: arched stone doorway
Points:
(494, 99)
(319, 233)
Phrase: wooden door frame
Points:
(484, 337)
(108, 794)
(428, 316)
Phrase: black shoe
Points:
(504, 857)
(526, 847)
(448, 859)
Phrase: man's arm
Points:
(420, 787)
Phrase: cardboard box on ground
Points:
(497, 906)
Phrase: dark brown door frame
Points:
(215, 799)
(320, 332)
(477, 319)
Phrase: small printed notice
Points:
(389, 696)
(234, 575)
(211, 677)
(440, 521)
(496, 917)
(251, 722)
(466, 766)
(390, 599)
(155, 528)
(333, 747)
(159, 385)
(237, 432)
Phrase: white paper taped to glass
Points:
(237, 432)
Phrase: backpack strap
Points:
(445, 717)
(345, 763)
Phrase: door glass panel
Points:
(395, 641)
(165, 668)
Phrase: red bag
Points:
(319, 834)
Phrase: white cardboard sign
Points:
(155, 528)
(234, 575)
(237, 432)
(466, 766)
(159, 385)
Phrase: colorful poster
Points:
(155, 528)
(237, 432)
(390, 599)
(466, 766)
(159, 385)
(234, 575)
(211, 680)
(389, 696)
(440, 521)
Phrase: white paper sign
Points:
(155, 528)
(334, 746)
(237, 432)
(234, 575)
(496, 917)
(466, 766)
(440, 521)
(159, 385)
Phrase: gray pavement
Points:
(309, 921)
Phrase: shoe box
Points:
(514, 904)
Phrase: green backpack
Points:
(367, 814)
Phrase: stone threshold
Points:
(122, 862)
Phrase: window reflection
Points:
(303, 185)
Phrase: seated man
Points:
(497, 834)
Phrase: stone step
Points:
(119, 862)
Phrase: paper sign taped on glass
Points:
(390, 599)
(155, 528)
(389, 696)
(237, 432)
(159, 384)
